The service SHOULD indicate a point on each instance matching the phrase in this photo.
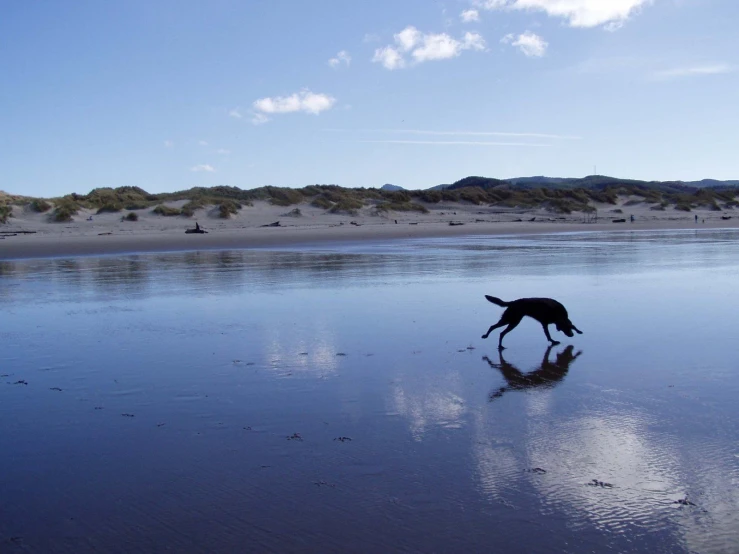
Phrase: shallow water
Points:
(202, 396)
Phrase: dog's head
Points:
(566, 327)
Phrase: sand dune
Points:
(108, 233)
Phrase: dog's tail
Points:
(497, 301)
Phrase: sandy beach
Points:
(108, 233)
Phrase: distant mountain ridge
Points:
(590, 181)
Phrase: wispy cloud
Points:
(203, 167)
(389, 57)
(423, 47)
(342, 57)
(694, 71)
(468, 16)
(453, 143)
(531, 44)
(579, 13)
(236, 113)
(259, 118)
(168, 144)
(223, 151)
(304, 101)
(462, 133)
(202, 143)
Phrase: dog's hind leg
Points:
(549, 337)
(511, 326)
(494, 327)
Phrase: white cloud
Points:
(437, 47)
(408, 38)
(203, 167)
(389, 57)
(529, 43)
(695, 70)
(304, 101)
(468, 16)
(223, 152)
(341, 57)
(370, 37)
(473, 41)
(202, 143)
(579, 13)
(235, 113)
(168, 144)
(425, 47)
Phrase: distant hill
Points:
(600, 181)
(712, 183)
(391, 187)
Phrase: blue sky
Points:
(175, 93)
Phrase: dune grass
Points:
(227, 208)
(6, 212)
(39, 205)
(166, 211)
(109, 208)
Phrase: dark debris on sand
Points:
(596, 483)
(322, 483)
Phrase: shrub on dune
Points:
(228, 208)
(39, 205)
(6, 212)
(161, 209)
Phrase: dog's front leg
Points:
(549, 337)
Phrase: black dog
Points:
(544, 310)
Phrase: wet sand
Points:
(341, 399)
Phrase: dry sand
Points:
(108, 234)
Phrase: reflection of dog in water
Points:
(548, 374)
(544, 310)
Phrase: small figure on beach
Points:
(197, 230)
(632, 218)
(696, 218)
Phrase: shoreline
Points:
(55, 245)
